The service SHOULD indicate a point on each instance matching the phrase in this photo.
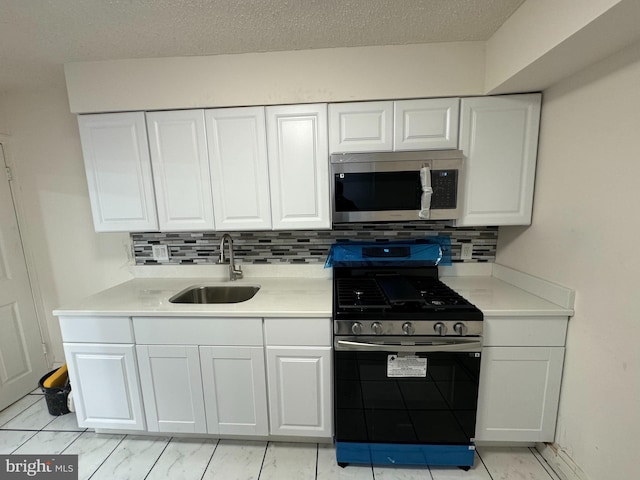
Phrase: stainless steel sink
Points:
(215, 294)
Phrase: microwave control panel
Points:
(445, 189)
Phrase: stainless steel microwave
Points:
(396, 186)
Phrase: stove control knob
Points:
(376, 327)
(356, 328)
(460, 328)
(440, 328)
(407, 328)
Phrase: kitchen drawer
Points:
(298, 331)
(198, 331)
(96, 329)
(524, 331)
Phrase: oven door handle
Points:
(472, 346)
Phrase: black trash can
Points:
(56, 397)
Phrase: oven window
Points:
(372, 408)
(378, 191)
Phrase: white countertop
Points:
(277, 297)
(498, 298)
(307, 294)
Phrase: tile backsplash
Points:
(307, 246)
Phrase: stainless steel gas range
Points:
(406, 363)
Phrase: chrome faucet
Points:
(234, 273)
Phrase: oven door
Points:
(393, 401)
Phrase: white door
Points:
(361, 127)
(499, 138)
(178, 146)
(172, 388)
(239, 169)
(105, 384)
(426, 124)
(116, 157)
(298, 166)
(300, 391)
(22, 360)
(519, 393)
(235, 391)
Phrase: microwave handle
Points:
(427, 191)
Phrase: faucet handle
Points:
(235, 273)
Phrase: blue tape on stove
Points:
(405, 454)
(429, 251)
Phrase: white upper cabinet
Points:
(239, 168)
(116, 157)
(499, 137)
(178, 146)
(298, 166)
(361, 127)
(426, 124)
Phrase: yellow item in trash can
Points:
(57, 379)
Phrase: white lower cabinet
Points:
(300, 391)
(234, 390)
(520, 376)
(175, 380)
(299, 375)
(172, 388)
(519, 391)
(104, 378)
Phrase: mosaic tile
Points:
(307, 246)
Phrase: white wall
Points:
(4, 123)
(545, 41)
(68, 259)
(584, 235)
(322, 75)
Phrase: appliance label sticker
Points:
(406, 366)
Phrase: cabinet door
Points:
(426, 124)
(105, 385)
(116, 158)
(499, 137)
(361, 127)
(180, 170)
(300, 391)
(235, 392)
(172, 388)
(239, 168)
(298, 166)
(519, 393)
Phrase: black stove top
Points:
(397, 293)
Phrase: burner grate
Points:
(437, 295)
(360, 293)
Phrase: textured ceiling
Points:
(38, 36)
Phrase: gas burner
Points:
(399, 294)
(359, 293)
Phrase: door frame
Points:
(34, 284)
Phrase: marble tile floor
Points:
(27, 428)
